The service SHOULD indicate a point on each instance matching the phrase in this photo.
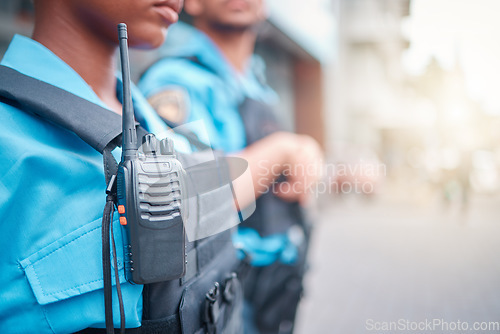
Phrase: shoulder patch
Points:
(171, 104)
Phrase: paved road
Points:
(383, 262)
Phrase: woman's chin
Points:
(150, 41)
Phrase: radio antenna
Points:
(129, 135)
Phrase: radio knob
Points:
(149, 144)
(167, 146)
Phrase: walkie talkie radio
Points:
(150, 192)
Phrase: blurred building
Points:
(432, 137)
(368, 77)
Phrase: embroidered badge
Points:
(171, 104)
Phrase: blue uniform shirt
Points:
(52, 195)
(215, 91)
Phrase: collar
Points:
(185, 41)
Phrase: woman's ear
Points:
(193, 7)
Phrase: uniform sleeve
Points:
(182, 93)
(51, 201)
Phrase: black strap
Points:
(95, 125)
(117, 276)
(106, 264)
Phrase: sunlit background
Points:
(412, 86)
(403, 96)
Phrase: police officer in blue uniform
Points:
(209, 73)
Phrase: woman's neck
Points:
(91, 57)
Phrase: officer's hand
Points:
(297, 157)
(302, 170)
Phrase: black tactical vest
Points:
(272, 214)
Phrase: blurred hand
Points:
(297, 157)
(302, 168)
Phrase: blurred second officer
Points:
(211, 74)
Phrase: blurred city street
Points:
(383, 260)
